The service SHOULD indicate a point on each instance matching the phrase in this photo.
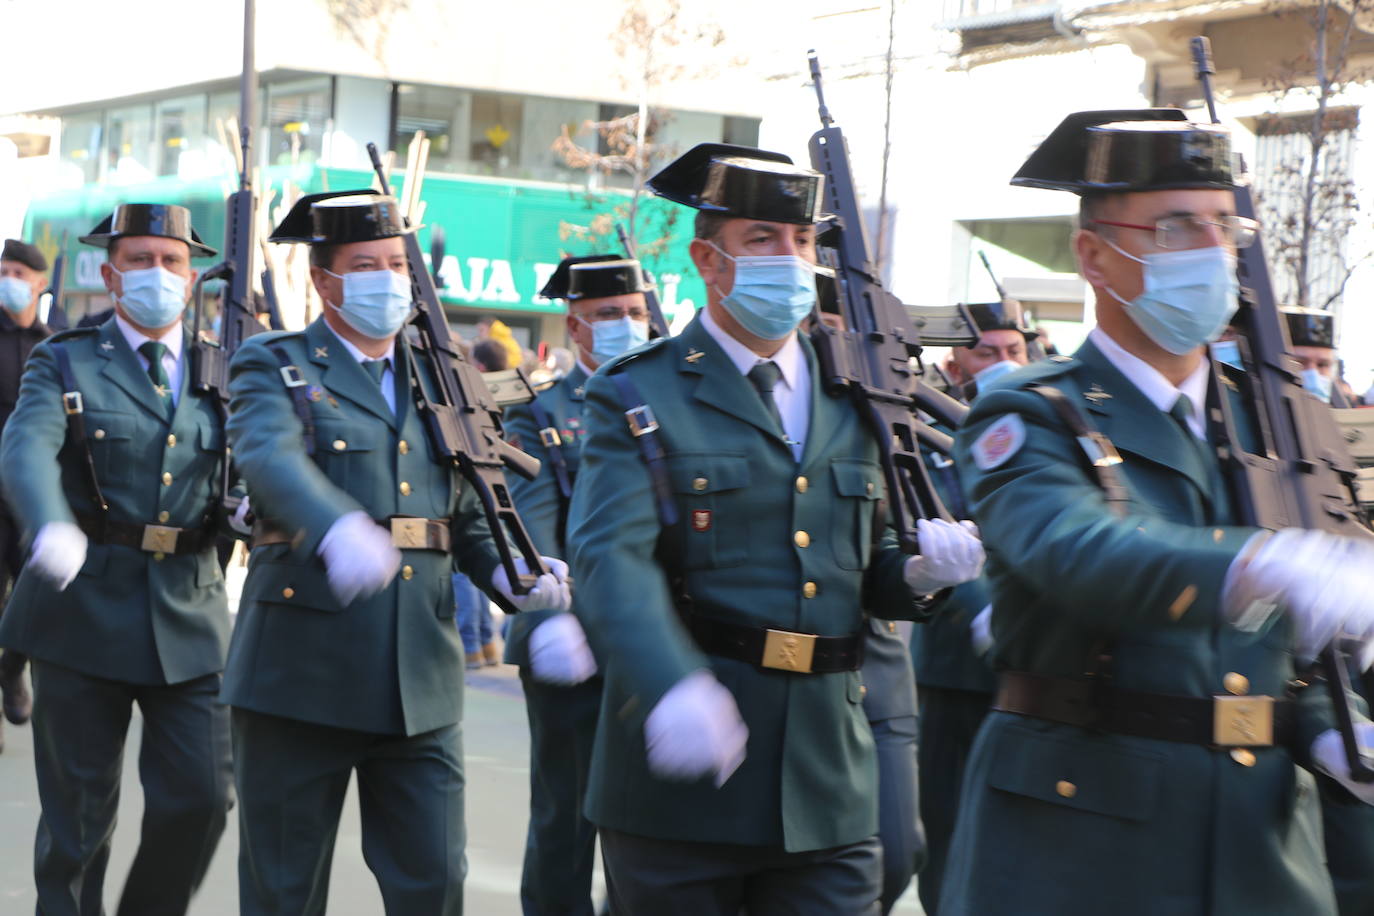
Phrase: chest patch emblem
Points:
(999, 442)
(315, 393)
(701, 519)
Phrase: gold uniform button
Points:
(863, 690)
(891, 627)
(1243, 756)
(99, 434)
(405, 488)
(1237, 684)
(869, 488)
(403, 447)
(802, 484)
(407, 572)
(699, 484)
(163, 515)
(1065, 789)
(1218, 535)
(171, 441)
(288, 592)
(802, 539)
(340, 445)
(166, 478)
(159, 556)
(809, 590)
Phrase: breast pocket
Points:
(342, 452)
(711, 495)
(109, 434)
(858, 488)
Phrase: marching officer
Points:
(1313, 335)
(113, 468)
(607, 315)
(345, 658)
(23, 277)
(1143, 753)
(721, 532)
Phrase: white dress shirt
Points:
(388, 376)
(793, 392)
(171, 359)
(1159, 390)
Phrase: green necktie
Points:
(765, 377)
(153, 351)
(1207, 457)
(375, 368)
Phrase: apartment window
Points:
(128, 148)
(180, 131)
(440, 112)
(297, 114)
(494, 139)
(81, 141)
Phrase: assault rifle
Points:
(1302, 475)
(58, 280)
(658, 325)
(461, 420)
(874, 357)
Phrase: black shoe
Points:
(18, 701)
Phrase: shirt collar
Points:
(353, 351)
(1159, 390)
(790, 359)
(171, 339)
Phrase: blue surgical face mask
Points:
(1188, 296)
(376, 303)
(985, 377)
(771, 294)
(612, 338)
(1228, 352)
(15, 294)
(153, 297)
(1320, 385)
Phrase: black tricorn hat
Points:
(168, 221)
(340, 217)
(743, 182)
(1310, 327)
(594, 276)
(1144, 149)
(999, 316)
(25, 254)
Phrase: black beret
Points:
(164, 220)
(340, 217)
(744, 182)
(24, 253)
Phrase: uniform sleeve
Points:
(269, 451)
(32, 438)
(623, 597)
(474, 549)
(537, 502)
(1044, 519)
(886, 594)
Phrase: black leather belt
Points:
(407, 533)
(162, 539)
(781, 650)
(1216, 721)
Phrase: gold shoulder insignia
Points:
(322, 353)
(1096, 394)
(693, 354)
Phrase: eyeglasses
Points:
(1187, 231)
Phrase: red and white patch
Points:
(999, 442)
(701, 519)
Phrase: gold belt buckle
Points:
(160, 539)
(788, 651)
(410, 533)
(1242, 721)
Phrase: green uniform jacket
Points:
(129, 615)
(388, 664)
(810, 778)
(538, 500)
(1067, 821)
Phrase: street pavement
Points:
(496, 741)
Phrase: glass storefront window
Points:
(128, 150)
(440, 112)
(180, 132)
(297, 116)
(494, 138)
(81, 136)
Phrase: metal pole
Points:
(248, 95)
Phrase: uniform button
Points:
(163, 515)
(403, 447)
(1065, 789)
(1237, 684)
(1243, 756)
(340, 445)
(159, 556)
(868, 487)
(699, 484)
(99, 434)
(407, 572)
(166, 478)
(802, 484)
(809, 590)
(863, 690)
(405, 488)
(802, 539)
(891, 627)
(288, 592)
(1218, 535)
(171, 441)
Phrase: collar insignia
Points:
(1097, 395)
(322, 353)
(107, 346)
(693, 354)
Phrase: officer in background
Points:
(721, 533)
(113, 467)
(607, 315)
(1143, 753)
(954, 681)
(338, 664)
(23, 277)
(1312, 334)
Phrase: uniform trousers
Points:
(79, 724)
(560, 846)
(11, 562)
(679, 878)
(899, 822)
(292, 777)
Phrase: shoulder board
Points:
(271, 337)
(69, 333)
(644, 349)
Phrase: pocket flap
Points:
(105, 425)
(1086, 773)
(692, 473)
(211, 437)
(856, 477)
(339, 438)
(295, 586)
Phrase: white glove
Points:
(980, 632)
(1325, 582)
(1328, 755)
(950, 554)
(551, 591)
(359, 557)
(239, 520)
(559, 653)
(58, 553)
(695, 730)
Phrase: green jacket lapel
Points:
(121, 367)
(342, 374)
(830, 416)
(719, 382)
